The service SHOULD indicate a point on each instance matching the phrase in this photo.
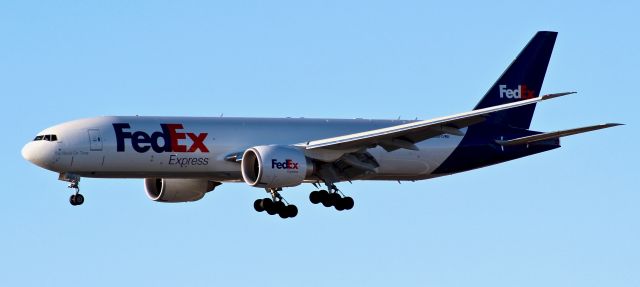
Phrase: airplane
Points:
(181, 159)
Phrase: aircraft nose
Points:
(27, 152)
(36, 154)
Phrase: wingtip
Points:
(556, 95)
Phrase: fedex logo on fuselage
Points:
(287, 164)
(520, 93)
(173, 140)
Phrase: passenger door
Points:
(95, 140)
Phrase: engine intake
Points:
(275, 166)
(177, 189)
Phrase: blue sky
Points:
(568, 217)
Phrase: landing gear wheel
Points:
(269, 206)
(325, 198)
(279, 206)
(257, 205)
(292, 210)
(348, 203)
(79, 199)
(76, 199)
(334, 199)
(340, 205)
(315, 197)
(288, 211)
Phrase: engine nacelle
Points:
(275, 166)
(177, 189)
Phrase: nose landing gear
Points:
(74, 182)
(76, 198)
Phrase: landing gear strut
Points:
(333, 197)
(74, 182)
(76, 198)
(276, 205)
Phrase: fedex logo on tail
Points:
(287, 164)
(519, 93)
(170, 139)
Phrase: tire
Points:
(79, 199)
(324, 198)
(266, 203)
(340, 205)
(334, 199)
(280, 207)
(292, 210)
(348, 203)
(269, 206)
(72, 200)
(257, 205)
(315, 197)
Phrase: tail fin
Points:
(522, 80)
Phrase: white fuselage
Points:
(201, 146)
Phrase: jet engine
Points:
(275, 166)
(177, 189)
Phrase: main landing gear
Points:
(333, 197)
(276, 205)
(76, 198)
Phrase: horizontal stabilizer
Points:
(553, 135)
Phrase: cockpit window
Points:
(50, 138)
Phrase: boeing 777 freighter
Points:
(183, 158)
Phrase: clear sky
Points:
(569, 217)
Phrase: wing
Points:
(406, 135)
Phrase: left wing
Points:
(406, 135)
